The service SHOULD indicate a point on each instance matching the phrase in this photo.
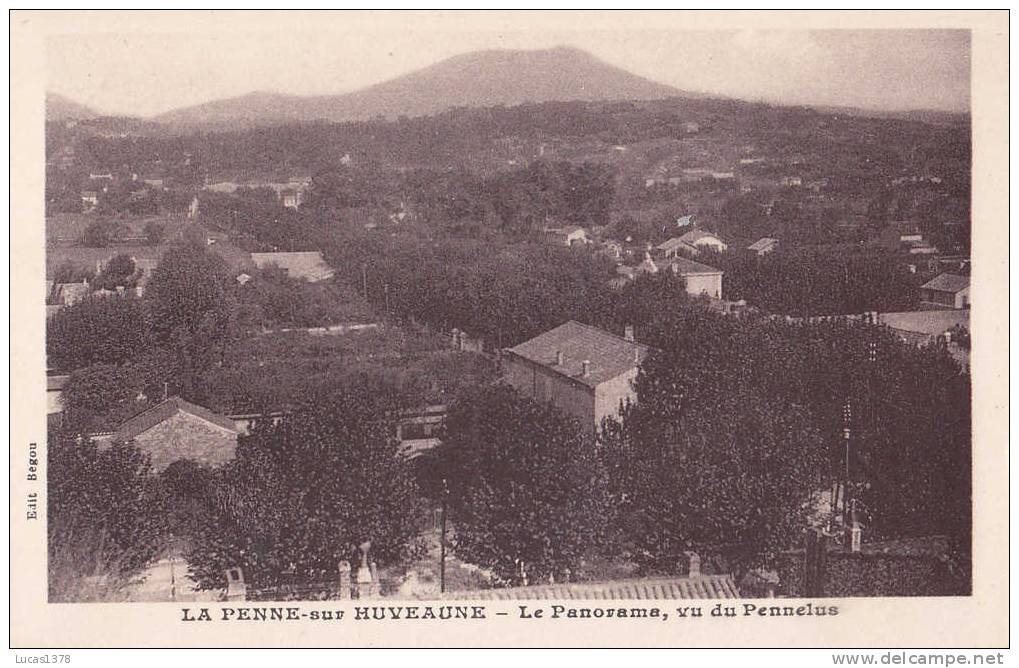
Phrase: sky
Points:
(142, 74)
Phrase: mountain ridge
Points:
(477, 79)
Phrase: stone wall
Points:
(185, 436)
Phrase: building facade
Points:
(946, 290)
(586, 372)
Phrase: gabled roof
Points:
(609, 355)
(694, 236)
(762, 244)
(164, 411)
(672, 244)
(684, 267)
(564, 230)
(70, 293)
(698, 587)
(933, 323)
(306, 264)
(947, 283)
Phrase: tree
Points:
(703, 460)
(98, 397)
(154, 232)
(108, 330)
(106, 521)
(303, 494)
(100, 233)
(119, 271)
(191, 309)
(525, 486)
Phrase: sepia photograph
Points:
(612, 323)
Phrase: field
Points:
(69, 227)
(80, 256)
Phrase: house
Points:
(792, 181)
(951, 290)
(70, 294)
(177, 429)
(291, 198)
(671, 247)
(923, 327)
(693, 242)
(585, 371)
(90, 199)
(763, 246)
(55, 393)
(700, 279)
(565, 236)
(308, 265)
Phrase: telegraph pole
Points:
(442, 538)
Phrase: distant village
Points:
(313, 304)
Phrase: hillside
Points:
(478, 79)
(60, 108)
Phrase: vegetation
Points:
(106, 519)
(527, 489)
(303, 494)
(738, 424)
(109, 330)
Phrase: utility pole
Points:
(847, 417)
(442, 537)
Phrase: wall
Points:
(704, 283)
(957, 300)
(544, 385)
(860, 574)
(610, 393)
(54, 401)
(185, 436)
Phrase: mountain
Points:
(60, 108)
(477, 79)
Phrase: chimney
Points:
(586, 365)
(560, 359)
(628, 333)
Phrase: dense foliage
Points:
(804, 283)
(109, 330)
(192, 309)
(527, 490)
(738, 423)
(303, 494)
(106, 518)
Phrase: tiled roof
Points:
(565, 229)
(72, 293)
(933, 323)
(693, 236)
(165, 410)
(762, 244)
(609, 355)
(671, 244)
(309, 264)
(684, 267)
(947, 283)
(699, 587)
